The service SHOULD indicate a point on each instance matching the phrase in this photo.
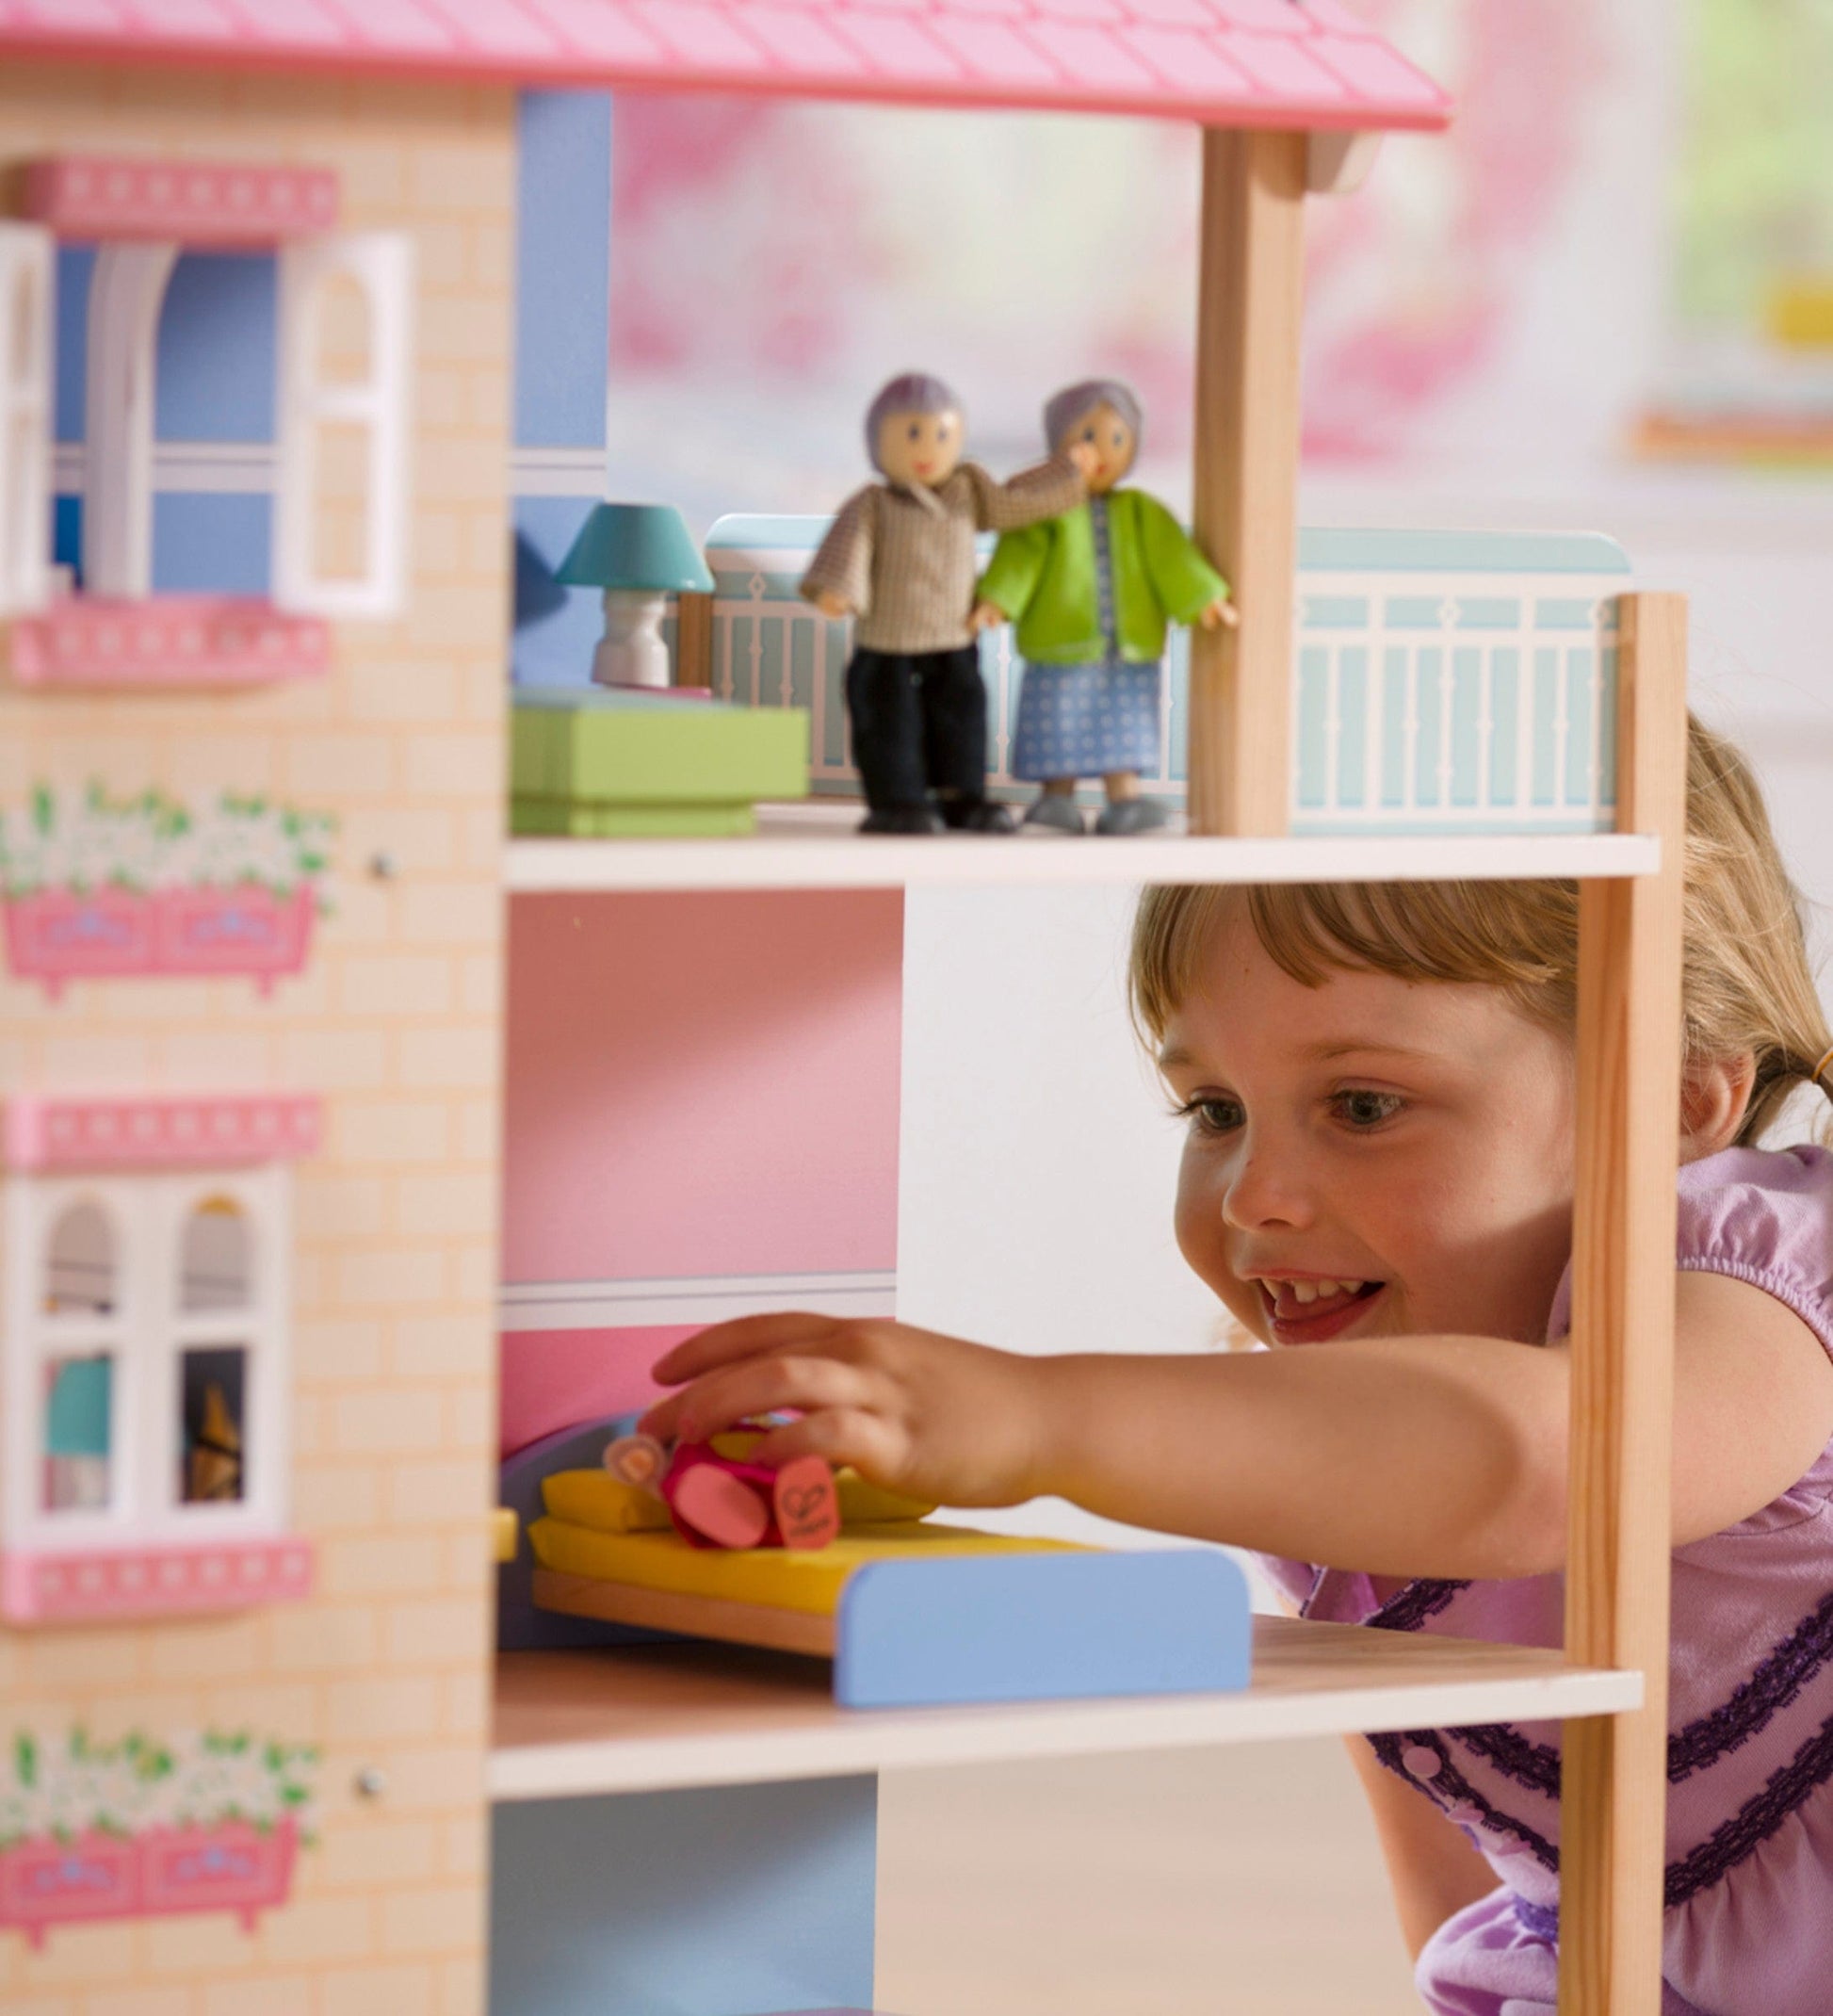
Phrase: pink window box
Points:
(232, 1866)
(167, 642)
(60, 936)
(245, 930)
(45, 1882)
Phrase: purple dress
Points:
(1749, 1886)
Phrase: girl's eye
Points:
(1211, 1116)
(1364, 1110)
(916, 431)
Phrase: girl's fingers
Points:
(742, 1338)
(753, 1386)
(844, 1436)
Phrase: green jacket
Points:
(1043, 578)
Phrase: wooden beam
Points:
(1250, 296)
(698, 1616)
(1613, 1788)
(1337, 162)
(693, 639)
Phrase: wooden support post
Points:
(693, 639)
(1250, 296)
(1613, 1787)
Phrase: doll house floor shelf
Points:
(914, 1613)
(815, 846)
(657, 1716)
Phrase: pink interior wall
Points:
(552, 1378)
(697, 1086)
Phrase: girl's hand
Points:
(1220, 611)
(929, 1416)
(985, 616)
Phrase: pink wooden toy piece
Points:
(722, 1501)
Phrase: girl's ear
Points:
(1714, 1096)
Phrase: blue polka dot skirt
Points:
(1084, 721)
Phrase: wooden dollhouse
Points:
(251, 1031)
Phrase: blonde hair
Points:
(1745, 985)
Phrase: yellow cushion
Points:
(594, 1498)
(605, 1503)
(778, 1577)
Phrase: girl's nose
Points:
(1265, 1190)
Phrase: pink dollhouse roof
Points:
(1294, 63)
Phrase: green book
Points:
(624, 762)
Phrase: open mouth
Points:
(1310, 1310)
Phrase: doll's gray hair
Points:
(914, 391)
(1076, 402)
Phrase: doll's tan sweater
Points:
(903, 559)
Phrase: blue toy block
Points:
(1042, 1626)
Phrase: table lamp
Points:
(639, 554)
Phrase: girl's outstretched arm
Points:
(1399, 1455)
(1391, 1455)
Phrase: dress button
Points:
(1420, 1762)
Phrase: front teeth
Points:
(1322, 1290)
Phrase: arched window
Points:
(216, 1270)
(82, 1263)
(145, 1355)
(216, 1258)
(80, 1294)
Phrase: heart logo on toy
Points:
(807, 1510)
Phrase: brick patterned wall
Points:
(397, 1022)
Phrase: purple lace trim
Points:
(1408, 1608)
(1776, 1682)
(1450, 1789)
(1542, 1919)
(1532, 1764)
(1753, 1824)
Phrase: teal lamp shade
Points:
(639, 554)
(641, 546)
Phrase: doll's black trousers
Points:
(919, 726)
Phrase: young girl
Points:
(1376, 1083)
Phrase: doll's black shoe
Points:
(1132, 814)
(1054, 813)
(976, 815)
(902, 819)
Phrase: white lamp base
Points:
(632, 652)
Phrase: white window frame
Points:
(127, 291)
(28, 283)
(147, 1333)
(381, 264)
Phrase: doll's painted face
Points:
(919, 448)
(1370, 1157)
(1104, 429)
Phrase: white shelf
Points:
(659, 1717)
(815, 847)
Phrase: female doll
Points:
(1090, 592)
